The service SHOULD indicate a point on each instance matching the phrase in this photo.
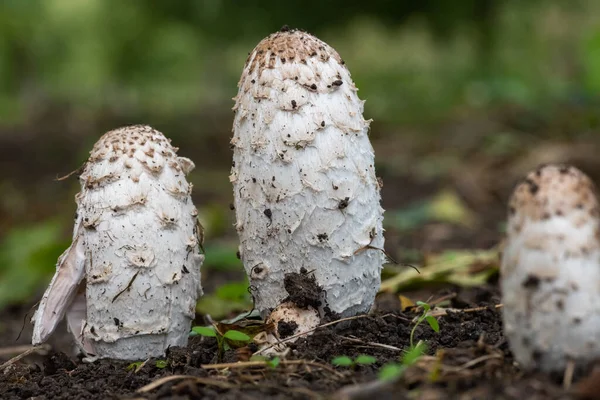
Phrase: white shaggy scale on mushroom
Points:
(303, 174)
(128, 284)
(550, 276)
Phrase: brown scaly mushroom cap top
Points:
(142, 143)
(554, 190)
(289, 45)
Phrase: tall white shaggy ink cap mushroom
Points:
(303, 174)
(129, 282)
(550, 275)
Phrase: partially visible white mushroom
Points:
(289, 320)
(285, 322)
(305, 190)
(129, 282)
(550, 274)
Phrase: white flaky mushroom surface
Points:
(287, 321)
(129, 282)
(550, 276)
(303, 174)
(293, 319)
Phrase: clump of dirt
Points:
(286, 328)
(303, 289)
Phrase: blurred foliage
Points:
(27, 257)
(222, 256)
(410, 59)
(227, 299)
(462, 268)
(445, 206)
(164, 62)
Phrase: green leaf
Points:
(433, 323)
(390, 372)
(161, 364)
(364, 359)
(342, 361)
(274, 362)
(237, 336)
(204, 331)
(134, 366)
(414, 353)
(425, 306)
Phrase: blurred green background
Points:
(466, 96)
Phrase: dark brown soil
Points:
(467, 359)
(303, 289)
(469, 353)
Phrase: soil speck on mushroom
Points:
(303, 289)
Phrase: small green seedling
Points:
(135, 366)
(433, 323)
(274, 362)
(345, 361)
(224, 341)
(207, 331)
(138, 365)
(393, 371)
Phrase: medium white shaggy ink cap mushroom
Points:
(128, 283)
(305, 190)
(550, 274)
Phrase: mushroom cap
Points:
(288, 46)
(140, 144)
(289, 319)
(553, 190)
(550, 272)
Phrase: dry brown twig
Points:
(287, 339)
(204, 381)
(371, 344)
(77, 171)
(32, 349)
(442, 299)
(473, 362)
(443, 312)
(250, 364)
(12, 350)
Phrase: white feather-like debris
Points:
(305, 190)
(550, 275)
(128, 284)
